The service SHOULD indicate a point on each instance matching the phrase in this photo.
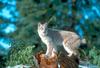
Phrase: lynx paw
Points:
(46, 56)
(70, 54)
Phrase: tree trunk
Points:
(61, 60)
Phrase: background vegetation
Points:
(81, 17)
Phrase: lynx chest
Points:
(46, 39)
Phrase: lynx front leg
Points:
(54, 52)
(49, 51)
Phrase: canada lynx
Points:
(52, 38)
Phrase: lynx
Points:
(54, 38)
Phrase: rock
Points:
(47, 62)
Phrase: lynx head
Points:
(42, 27)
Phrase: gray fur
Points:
(53, 38)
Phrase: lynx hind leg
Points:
(76, 53)
(68, 49)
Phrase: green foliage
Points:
(2, 61)
(94, 55)
(20, 54)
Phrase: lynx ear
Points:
(46, 24)
(39, 24)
